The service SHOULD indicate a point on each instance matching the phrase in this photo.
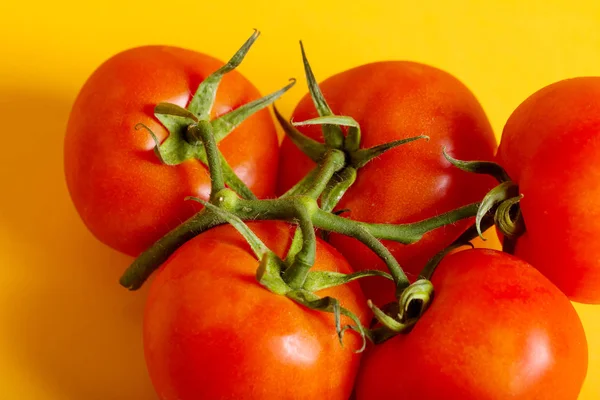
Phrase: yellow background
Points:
(67, 330)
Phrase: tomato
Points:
(212, 332)
(391, 101)
(550, 147)
(124, 194)
(496, 329)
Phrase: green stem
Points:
(299, 210)
(333, 162)
(203, 130)
(312, 186)
(357, 230)
(401, 233)
(463, 240)
(147, 262)
(287, 210)
(337, 187)
(296, 274)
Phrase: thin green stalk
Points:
(413, 232)
(203, 130)
(312, 186)
(355, 229)
(147, 262)
(296, 274)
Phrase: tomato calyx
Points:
(503, 200)
(400, 317)
(181, 145)
(334, 138)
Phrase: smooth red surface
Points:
(212, 332)
(124, 195)
(497, 329)
(551, 147)
(391, 101)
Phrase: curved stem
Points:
(296, 274)
(312, 186)
(333, 162)
(336, 224)
(203, 130)
(147, 262)
(287, 210)
(337, 187)
(401, 233)
(463, 240)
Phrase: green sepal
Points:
(337, 120)
(386, 320)
(233, 181)
(175, 149)
(268, 274)
(500, 193)
(351, 142)
(414, 301)
(320, 280)
(361, 157)
(511, 226)
(313, 149)
(337, 187)
(479, 167)
(331, 305)
(352, 139)
(173, 110)
(204, 98)
(226, 123)
(334, 138)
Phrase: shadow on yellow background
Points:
(66, 322)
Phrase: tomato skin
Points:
(497, 329)
(212, 332)
(551, 148)
(124, 195)
(391, 101)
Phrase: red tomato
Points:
(391, 101)
(212, 332)
(551, 147)
(125, 196)
(497, 329)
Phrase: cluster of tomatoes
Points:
(499, 326)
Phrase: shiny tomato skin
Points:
(212, 332)
(497, 329)
(551, 147)
(123, 193)
(391, 101)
